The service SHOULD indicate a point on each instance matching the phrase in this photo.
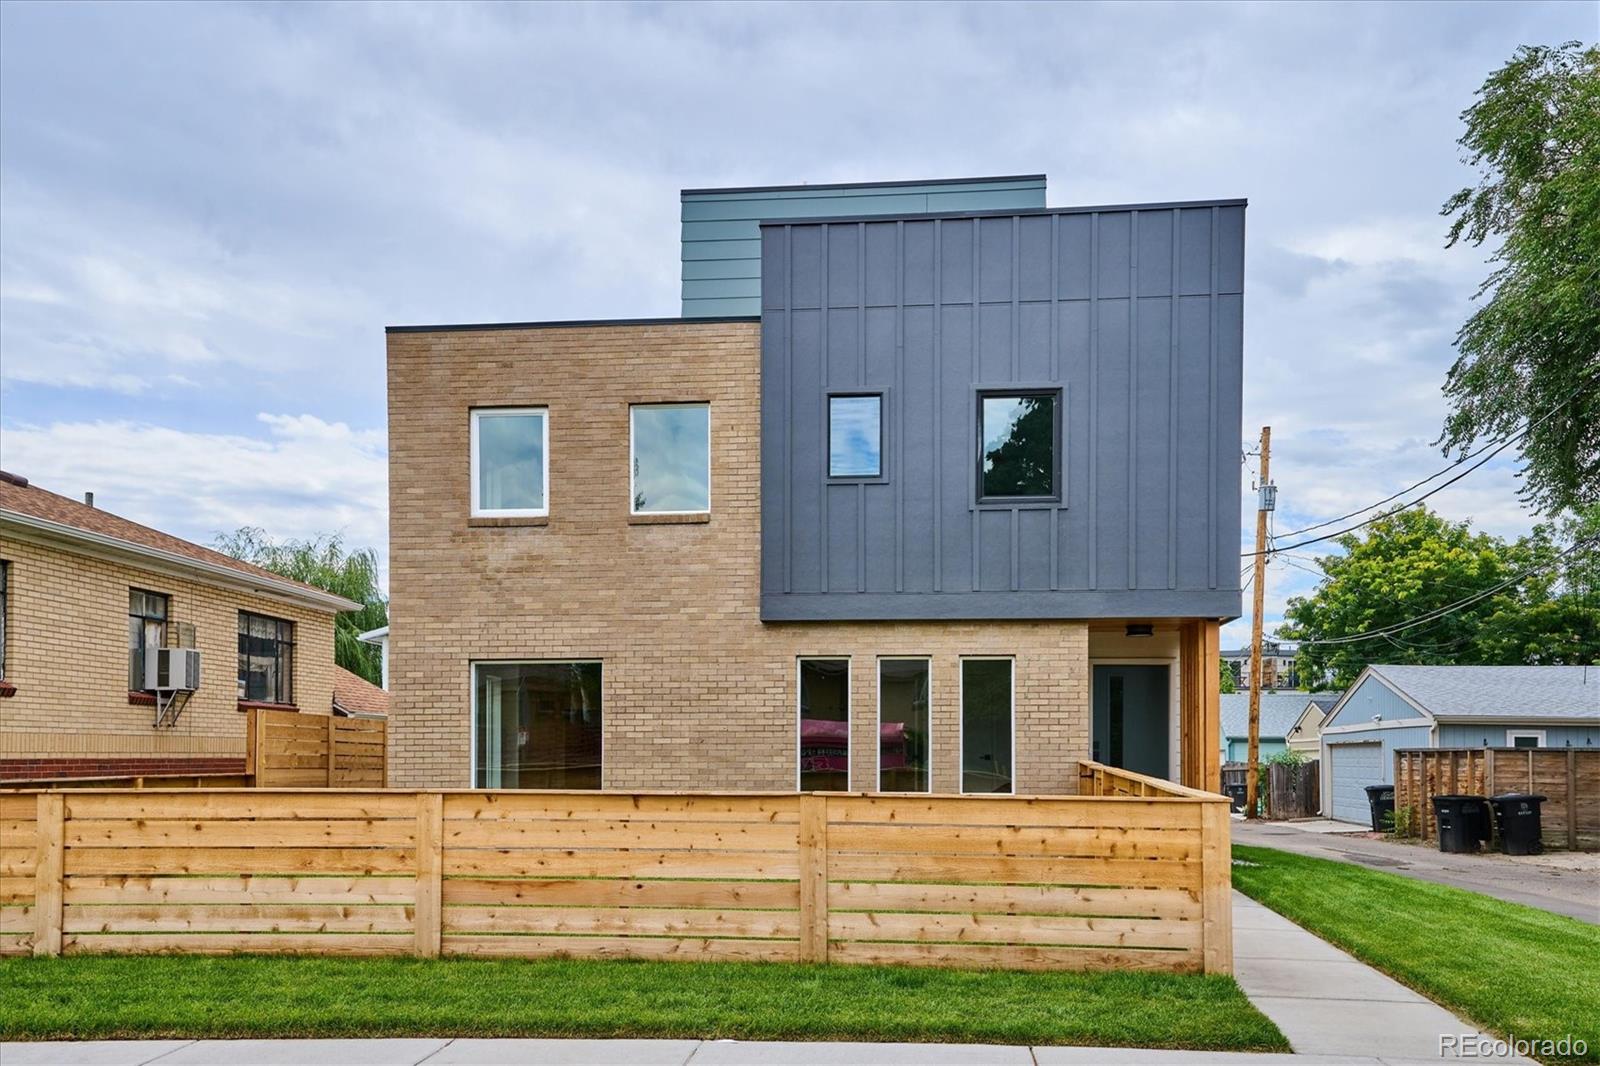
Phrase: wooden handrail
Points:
(1137, 784)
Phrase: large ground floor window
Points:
(824, 725)
(536, 725)
(904, 725)
(986, 726)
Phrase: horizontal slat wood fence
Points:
(292, 750)
(1107, 881)
(1569, 778)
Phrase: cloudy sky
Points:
(209, 212)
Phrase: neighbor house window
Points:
(904, 725)
(855, 436)
(824, 725)
(5, 604)
(986, 719)
(510, 461)
(266, 658)
(1018, 445)
(670, 458)
(147, 631)
(1532, 738)
(536, 725)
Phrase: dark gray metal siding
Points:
(1134, 313)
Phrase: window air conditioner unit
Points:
(172, 670)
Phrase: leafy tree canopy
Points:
(1226, 679)
(1534, 346)
(324, 562)
(1410, 563)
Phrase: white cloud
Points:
(304, 478)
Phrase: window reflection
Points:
(1018, 443)
(903, 725)
(986, 725)
(538, 725)
(824, 725)
(671, 458)
(855, 436)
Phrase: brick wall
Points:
(698, 693)
(67, 655)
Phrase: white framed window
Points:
(822, 712)
(905, 724)
(1525, 738)
(510, 462)
(669, 458)
(988, 724)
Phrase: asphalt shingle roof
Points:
(1279, 711)
(1500, 691)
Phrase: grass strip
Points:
(188, 997)
(1514, 970)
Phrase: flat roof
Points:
(463, 327)
(909, 183)
(1008, 212)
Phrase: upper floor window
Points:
(510, 461)
(855, 436)
(266, 658)
(1019, 445)
(670, 458)
(147, 631)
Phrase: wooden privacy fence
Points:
(1291, 789)
(1107, 881)
(1569, 778)
(287, 749)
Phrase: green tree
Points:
(1531, 348)
(1226, 678)
(1405, 565)
(1552, 616)
(324, 562)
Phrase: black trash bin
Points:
(1517, 815)
(1380, 798)
(1237, 794)
(1463, 822)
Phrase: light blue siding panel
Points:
(717, 308)
(722, 288)
(1456, 735)
(1370, 700)
(1345, 799)
(706, 269)
(723, 250)
(718, 224)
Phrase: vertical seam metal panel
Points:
(1133, 399)
(824, 566)
(1015, 516)
(1211, 428)
(938, 370)
(1172, 410)
(1094, 422)
(1055, 375)
(861, 381)
(788, 412)
(898, 415)
(975, 335)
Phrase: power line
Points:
(1452, 608)
(1497, 446)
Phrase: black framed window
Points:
(1019, 445)
(855, 435)
(537, 725)
(266, 658)
(147, 631)
(824, 725)
(5, 604)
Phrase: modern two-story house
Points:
(955, 507)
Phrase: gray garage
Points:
(1351, 767)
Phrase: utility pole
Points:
(1265, 502)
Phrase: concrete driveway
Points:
(1561, 882)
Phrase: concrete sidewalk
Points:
(634, 1053)
(1329, 1003)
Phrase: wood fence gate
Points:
(292, 750)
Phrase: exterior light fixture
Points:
(1141, 629)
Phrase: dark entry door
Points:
(1132, 710)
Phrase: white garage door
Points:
(1351, 768)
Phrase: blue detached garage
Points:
(1392, 707)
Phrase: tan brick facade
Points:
(698, 692)
(67, 656)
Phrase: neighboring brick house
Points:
(958, 509)
(89, 596)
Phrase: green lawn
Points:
(258, 996)
(1512, 969)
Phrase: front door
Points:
(1132, 709)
